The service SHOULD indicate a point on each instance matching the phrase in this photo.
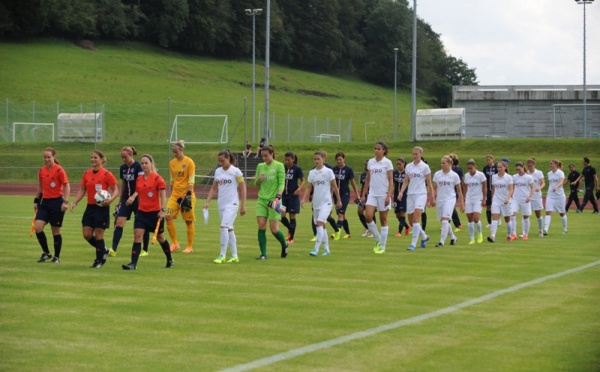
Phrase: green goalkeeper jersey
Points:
(274, 180)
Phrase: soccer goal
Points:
(30, 132)
(200, 129)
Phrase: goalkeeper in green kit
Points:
(270, 177)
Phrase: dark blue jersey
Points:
(458, 171)
(129, 175)
(489, 173)
(398, 178)
(343, 177)
(292, 175)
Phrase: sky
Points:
(519, 42)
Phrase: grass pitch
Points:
(207, 317)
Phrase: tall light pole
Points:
(253, 13)
(413, 104)
(395, 89)
(267, 66)
(584, 2)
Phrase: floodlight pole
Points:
(584, 2)
(413, 100)
(253, 13)
(395, 89)
(267, 57)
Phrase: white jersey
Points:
(500, 185)
(555, 178)
(474, 187)
(378, 171)
(227, 181)
(321, 183)
(537, 177)
(417, 174)
(522, 185)
(445, 185)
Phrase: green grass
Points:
(202, 316)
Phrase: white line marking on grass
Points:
(387, 327)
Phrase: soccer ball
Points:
(101, 195)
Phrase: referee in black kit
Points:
(591, 183)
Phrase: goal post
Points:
(200, 129)
(32, 131)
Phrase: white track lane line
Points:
(387, 327)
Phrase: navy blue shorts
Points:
(401, 205)
(49, 211)
(292, 204)
(124, 210)
(488, 199)
(345, 201)
(147, 221)
(96, 217)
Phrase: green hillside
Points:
(134, 82)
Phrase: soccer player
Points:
(96, 217)
(573, 179)
(489, 170)
(502, 192)
(321, 183)
(130, 170)
(590, 181)
(291, 193)
(229, 181)
(523, 192)
(446, 186)
(271, 180)
(555, 198)
(151, 195)
(380, 184)
(456, 169)
(537, 203)
(183, 197)
(475, 190)
(419, 189)
(344, 176)
(361, 207)
(50, 203)
(400, 208)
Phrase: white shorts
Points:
(505, 210)
(322, 213)
(228, 216)
(524, 207)
(556, 204)
(445, 208)
(415, 201)
(474, 207)
(537, 204)
(378, 202)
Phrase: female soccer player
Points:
(271, 180)
(380, 184)
(419, 189)
(489, 170)
(446, 186)
(361, 207)
(555, 198)
(537, 203)
(129, 171)
(50, 203)
(321, 182)
(183, 178)
(502, 191)
(228, 180)
(400, 208)
(524, 190)
(291, 194)
(458, 170)
(475, 190)
(151, 195)
(344, 176)
(96, 217)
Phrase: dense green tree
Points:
(166, 20)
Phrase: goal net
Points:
(200, 129)
(32, 132)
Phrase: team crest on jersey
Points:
(52, 184)
(183, 166)
(150, 194)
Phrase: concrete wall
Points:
(527, 111)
